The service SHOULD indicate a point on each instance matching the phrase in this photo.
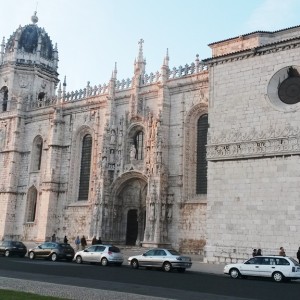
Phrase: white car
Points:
(166, 259)
(277, 267)
(103, 254)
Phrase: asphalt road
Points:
(190, 285)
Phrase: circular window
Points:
(284, 89)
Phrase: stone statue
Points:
(132, 152)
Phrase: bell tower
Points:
(28, 68)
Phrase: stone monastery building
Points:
(203, 158)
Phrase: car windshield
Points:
(173, 252)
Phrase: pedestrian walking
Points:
(254, 252)
(94, 240)
(298, 255)
(77, 242)
(83, 242)
(65, 240)
(99, 240)
(258, 253)
(281, 251)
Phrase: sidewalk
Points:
(198, 264)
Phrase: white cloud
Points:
(273, 15)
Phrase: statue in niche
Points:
(104, 159)
(163, 211)
(132, 152)
(113, 137)
(120, 137)
(112, 156)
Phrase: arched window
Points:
(85, 167)
(37, 151)
(201, 169)
(31, 204)
(4, 97)
(139, 145)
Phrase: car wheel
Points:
(54, 257)
(134, 264)
(104, 262)
(181, 270)
(31, 255)
(235, 273)
(277, 276)
(167, 267)
(6, 253)
(79, 259)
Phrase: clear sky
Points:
(94, 34)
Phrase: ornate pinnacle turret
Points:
(166, 59)
(114, 74)
(64, 86)
(140, 57)
(2, 50)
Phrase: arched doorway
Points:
(129, 215)
(132, 227)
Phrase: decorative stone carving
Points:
(239, 144)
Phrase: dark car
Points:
(8, 248)
(53, 251)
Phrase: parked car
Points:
(277, 267)
(103, 254)
(53, 251)
(166, 259)
(8, 248)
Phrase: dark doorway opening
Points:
(132, 227)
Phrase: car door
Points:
(89, 254)
(159, 257)
(252, 267)
(46, 249)
(99, 253)
(147, 258)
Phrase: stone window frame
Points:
(272, 96)
(75, 164)
(4, 98)
(31, 204)
(85, 143)
(190, 152)
(36, 154)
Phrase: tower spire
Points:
(34, 18)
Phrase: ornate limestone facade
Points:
(106, 161)
(203, 158)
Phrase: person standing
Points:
(53, 238)
(77, 243)
(281, 251)
(94, 241)
(254, 252)
(65, 240)
(83, 242)
(258, 253)
(99, 241)
(298, 255)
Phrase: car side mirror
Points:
(144, 254)
(85, 250)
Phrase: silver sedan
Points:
(166, 259)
